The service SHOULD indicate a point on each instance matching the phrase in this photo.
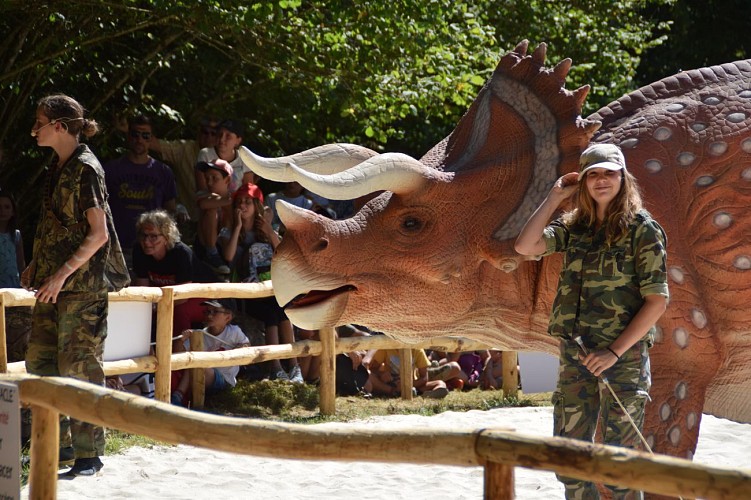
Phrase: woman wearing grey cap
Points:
(611, 291)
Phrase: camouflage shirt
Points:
(605, 285)
(72, 189)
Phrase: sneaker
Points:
(85, 467)
(438, 393)
(281, 375)
(217, 264)
(295, 375)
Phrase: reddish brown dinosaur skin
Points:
(439, 260)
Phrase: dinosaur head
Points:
(431, 251)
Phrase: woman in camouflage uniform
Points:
(612, 289)
(67, 272)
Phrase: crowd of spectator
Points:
(194, 212)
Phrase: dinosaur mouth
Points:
(314, 297)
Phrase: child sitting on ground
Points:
(384, 378)
(219, 335)
(215, 211)
(492, 374)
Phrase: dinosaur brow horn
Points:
(326, 159)
(395, 172)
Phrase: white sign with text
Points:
(10, 442)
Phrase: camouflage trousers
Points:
(67, 340)
(582, 401)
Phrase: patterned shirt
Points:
(601, 287)
(73, 188)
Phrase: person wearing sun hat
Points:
(611, 291)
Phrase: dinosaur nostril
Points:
(322, 244)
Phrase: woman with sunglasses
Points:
(161, 259)
(72, 247)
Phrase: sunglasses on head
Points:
(143, 135)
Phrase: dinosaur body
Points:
(431, 253)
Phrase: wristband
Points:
(613, 352)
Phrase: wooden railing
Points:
(497, 450)
(163, 362)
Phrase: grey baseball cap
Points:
(608, 156)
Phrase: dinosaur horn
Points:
(327, 159)
(294, 217)
(521, 47)
(539, 53)
(395, 172)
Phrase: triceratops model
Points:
(431, 254)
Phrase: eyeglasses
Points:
(209, 131)
(135, 134)
(211, 312)
(149, 236)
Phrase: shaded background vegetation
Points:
(392, 75)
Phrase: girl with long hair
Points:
(612, 290)
(248, 247)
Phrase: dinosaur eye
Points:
(411, 224)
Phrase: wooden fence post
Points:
(406, 373)
(499, 481)
(327, 388)
(197, 375)
(510, 362)
(44, 453)
(165, 310)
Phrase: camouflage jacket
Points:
(71, 190)
(601, 287)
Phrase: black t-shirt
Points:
(178, 266)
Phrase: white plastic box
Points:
(128, 330)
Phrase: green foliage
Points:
(702, 33)
(393, 75)
(605, 39)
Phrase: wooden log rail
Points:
(498, 450)
(163, 362)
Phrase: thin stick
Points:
(604, 379)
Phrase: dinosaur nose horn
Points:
(294, 217)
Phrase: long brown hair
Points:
(620, 213)
(258, 205)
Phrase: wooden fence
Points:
(497, 450)
(163, 362)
